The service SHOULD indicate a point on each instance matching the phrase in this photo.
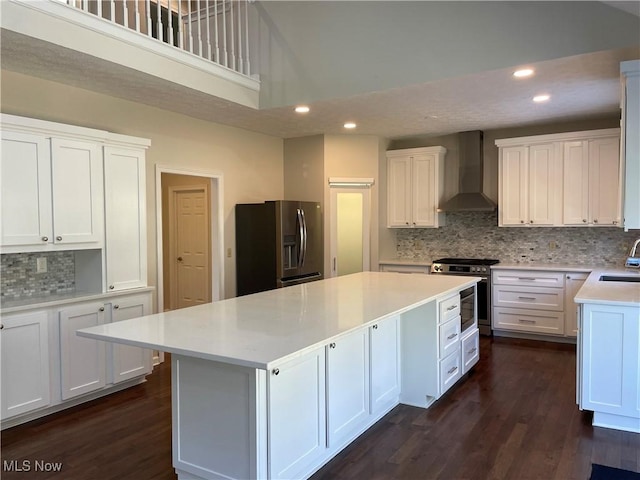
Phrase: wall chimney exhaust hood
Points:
(470, 197)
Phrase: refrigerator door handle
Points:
(304, 239)
(301, 234)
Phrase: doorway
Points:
(350, 238)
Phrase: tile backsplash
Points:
(477, 235)
(18, 277)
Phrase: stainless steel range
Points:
(475, 267)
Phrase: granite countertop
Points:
(48, 301)
(265, 329)
(610, 293)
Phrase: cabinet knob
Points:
(1, 326)
(179, 259)
(584, 220)
(101, 309)
(530, 221)
(521, 221)
(275, 371)
(615, 222)
(375, 327)
(332, 345)
(59, 238)
(595, 220)
(45, 239)
(116, 306)
(111, 287)
(406, 223)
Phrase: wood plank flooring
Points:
(514, 417)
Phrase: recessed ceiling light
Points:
(350, 125)
(302, 109)
(541, 98)
(524, 72)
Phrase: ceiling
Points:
(581, 87)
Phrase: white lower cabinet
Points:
(297, 415)
(82, 360)
(609, 365)
(572, 283)
(385, 364)
(25, 363)
(129, 362)
(470, 344)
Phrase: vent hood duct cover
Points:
(470, 197)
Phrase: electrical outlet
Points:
(41, 265)
(553, 245)
(228, 253)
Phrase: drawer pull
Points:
(332, 345)
(453, 335)
(452, 370)
(527, 298)
(525, 320)
(472, 351)
(452, 307)
(528, 279)
(375, 327)
(275, 371)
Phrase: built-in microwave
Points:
(467, 308)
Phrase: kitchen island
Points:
(608, 356)
(273, 385)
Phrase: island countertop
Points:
(267, 328)
(610, 293)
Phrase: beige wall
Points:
(251, 164)
(304, 169)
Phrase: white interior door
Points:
(350, 230)
(190, 263)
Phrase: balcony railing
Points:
(216, 30)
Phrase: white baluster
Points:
(247, 69)
(180, 39)
(199, 7)
(190, 26)
(170, 29)
(159, 21)
(99, 13)
(137, 19)
(85, 5)
(208, 30)
(112, 11)
(125, 14)
(239, 13)
(224, 34)
(216, 32)
(233, 37)
(147, 7)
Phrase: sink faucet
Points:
(632, 260)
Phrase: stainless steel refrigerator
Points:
(278, 243)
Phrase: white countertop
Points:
(264, 329)
(610, 293)
(404, 261)
(555, 267)
(48, 301)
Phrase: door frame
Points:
(352, 185)
(217, 231)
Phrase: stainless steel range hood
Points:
(470, 197)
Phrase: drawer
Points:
(449, 334)
(532, 298)
(450, 371)
(527, 277)
(449, 308)
(405, 268)
(470, 349)
(534, 321)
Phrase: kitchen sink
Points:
(620, 278)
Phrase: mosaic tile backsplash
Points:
(18, 277)
(477, 235)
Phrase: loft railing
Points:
(216, 30)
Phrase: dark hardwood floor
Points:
(514, 417)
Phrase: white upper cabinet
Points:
(415, 186)
(25, 183)
(527, 185)
(125, 218)
(631, 142)
(560, 179)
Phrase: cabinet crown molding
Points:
(558, 137)
(415, 151)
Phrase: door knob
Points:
(179, 259)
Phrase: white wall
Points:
(315, 50)
(251, 164)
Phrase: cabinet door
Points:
(125, 218)
(25, 185)
(385, 364)
(130, 362)
(82, 360)
(512, 208)
(25, 363)
(610, 350)
(297, 415)
(542, 184)
(424, 198)
(399, 192)
(604, 181)
(347, 386)
(77, 192)
(470, 349)
(576, 183)
(572, 283)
